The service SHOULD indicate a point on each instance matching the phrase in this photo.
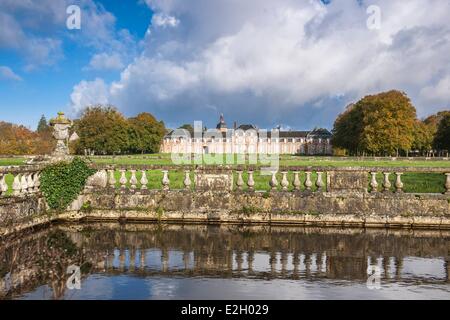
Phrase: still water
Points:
(142, 261)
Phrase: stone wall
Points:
(350, 197)
(363, 210)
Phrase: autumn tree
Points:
(442, 138)
(377, 124)
(102, 130)
(145, 133)
(16, 140)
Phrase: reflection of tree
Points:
(59, 253)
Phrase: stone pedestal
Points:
(214, 180)
(347, 181)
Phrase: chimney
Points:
(235, 125)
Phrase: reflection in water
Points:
(141, 261)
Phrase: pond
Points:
(153, 261)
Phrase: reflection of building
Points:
(247, 138)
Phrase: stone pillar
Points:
(251, 181)
(3, 185)
(187, 180)
(447, 183)
(308, 182)
(112, 179)
(319, 182)
(398, 182)
(165, 180)
(144, 180)
(284, 181)
(296, 181)
(273, 181)
(133, 179)
(123, 179)
(373, 182)
(239, 181)
(386, 182)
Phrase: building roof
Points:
(221, 124)
(320, 133)
(247, 127)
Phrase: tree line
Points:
(100, 129)
(386, 124)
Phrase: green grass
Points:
(285, 160)
(413, 182)
(12, 161)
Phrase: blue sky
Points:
(286, 62)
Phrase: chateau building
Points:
(247, 138)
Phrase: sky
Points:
(294, 63)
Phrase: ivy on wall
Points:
(61, 183)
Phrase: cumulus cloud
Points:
(88, 93)
(33, 29)
(296, 63)
(105, 61)
(7, 74)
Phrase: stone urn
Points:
(61, 126)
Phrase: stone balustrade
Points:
(22, 180)
(19, 181)
(292, 179)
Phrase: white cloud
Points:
(163, 20)
(7, 74)
(104, 61)
(36, 29)
(88, 93)
(288, 61)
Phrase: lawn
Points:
(285, 160)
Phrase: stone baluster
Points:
(284, 181)
(373, 182)
(112, 179)
(386, 182)
(133, 179)
(251, 181)
(319, 181)
(187, 180)
(30, 183)
(123, 179)
(144, 180)
(37, 181)
(296, 181)
(398, 182)
(3, 185)
(17, 186)
(165, 180)
(240, 181)
(308, 182)
(447, 183)
(24, 184)
(274, 181)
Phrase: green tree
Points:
(43, 125)
(102, 129)
(377, 124)
(442, 138)
(145, 133)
